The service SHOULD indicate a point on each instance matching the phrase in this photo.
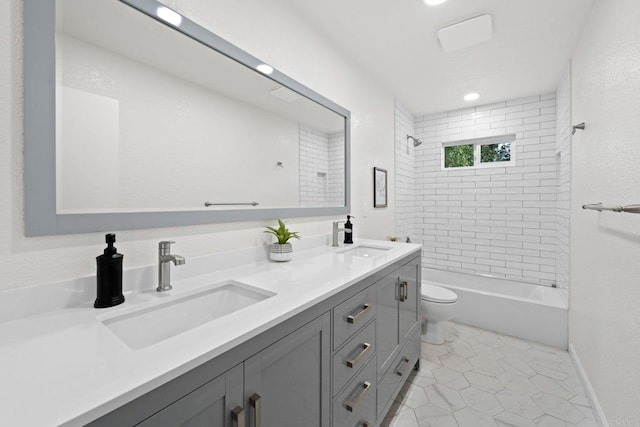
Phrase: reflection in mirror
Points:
(149, 119)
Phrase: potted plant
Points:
(282, 249)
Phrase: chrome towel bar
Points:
(207, 204)
(598, 207)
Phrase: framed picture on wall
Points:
(379, 188)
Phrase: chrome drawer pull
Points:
(404, 291)
(353, 404)
(237, 416)
(364, 310)
(365, 349)
(256, 403)
(403, 366)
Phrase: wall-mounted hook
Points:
(280, 164)
(580, 126)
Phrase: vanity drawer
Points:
(355, 406)
(352, 314)
(353, 356)
(398, 372)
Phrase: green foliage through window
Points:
(458, 156)
(477, 152)
(495, 153)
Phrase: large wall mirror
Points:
(137, 117)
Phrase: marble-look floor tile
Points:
(461, 348)
(484, 382)
(549, 369)
(587, 423)
(520, 405)
(479, 378)
(468, 417)
(433, 416)
(403, 419)
(456, 363)
(518, 385)
(445, 375)
(507, 419)
(445, 397)
(549, 421)
(481, 401)
(413, 396)
(550, 386)
(486, 365)
(487, 351)
(558, 408)
(460, 383)
(516, 365)
(490, 339)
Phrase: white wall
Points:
(189, 156)
(605, 247)
(491, 220)
(267, 30)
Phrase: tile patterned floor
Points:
(479, 378)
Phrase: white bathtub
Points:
(532, 312)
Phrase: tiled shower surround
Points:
(405, 174)
(495, 220)
(321, 168)
(563, 163)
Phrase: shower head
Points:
(416, 141)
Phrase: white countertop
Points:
(60, 365)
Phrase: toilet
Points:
(437, 305)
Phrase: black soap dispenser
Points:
(348, 231)
(109, 276)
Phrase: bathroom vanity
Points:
(325, 340)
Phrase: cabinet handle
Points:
(404, 291)
(237, 416)
(365, 349)
(403, 366)
(364, 310)
(352, 405)
(366, 423)
(256, 403)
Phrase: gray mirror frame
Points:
(41, 217)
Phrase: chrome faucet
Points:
(336, 231)
(164, 268)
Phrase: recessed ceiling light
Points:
(472, 96)
(265, 69)
(434, 2)
(169, 16)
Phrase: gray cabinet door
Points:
(409, 300)
(288, 384)
(206, 406)
(387, 333)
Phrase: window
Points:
(480, 152)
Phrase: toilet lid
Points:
(438, 294)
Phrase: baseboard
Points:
(591, 394)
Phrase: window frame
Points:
(477, 144)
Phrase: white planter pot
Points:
(280, 252)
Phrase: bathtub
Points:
(532, 312)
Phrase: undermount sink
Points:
(364, 251)
(150, 325)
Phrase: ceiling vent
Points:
(469, 32)
(286, 94)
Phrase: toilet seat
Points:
(438, 294)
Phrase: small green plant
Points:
(282, 233)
